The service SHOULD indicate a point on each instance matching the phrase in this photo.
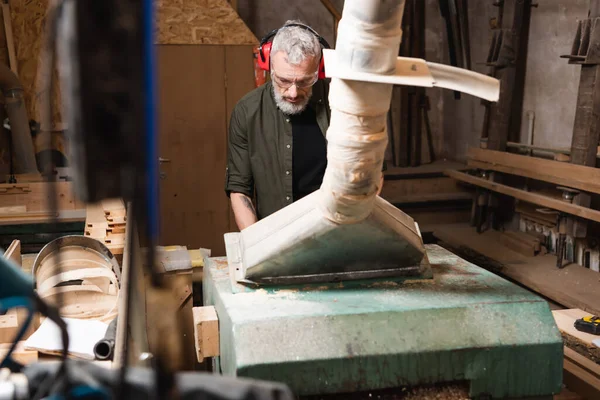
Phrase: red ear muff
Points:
(264, 56)
(264, 59)
(322, 67)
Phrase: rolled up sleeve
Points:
(239, 177)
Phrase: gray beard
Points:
(287, 107)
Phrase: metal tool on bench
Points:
(589, 324)
(103, 350)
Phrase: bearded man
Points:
(277, 150)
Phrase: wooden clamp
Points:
(206, 332)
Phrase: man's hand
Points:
(243, 209)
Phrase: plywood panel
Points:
(239, 67)
(178, 22)
(192, 123)
(200, 22)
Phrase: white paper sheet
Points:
(83, 336)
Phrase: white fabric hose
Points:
(368, 41)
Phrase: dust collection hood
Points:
(344, 231)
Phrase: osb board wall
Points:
(28, 23)
(201, 22)
(178, 22)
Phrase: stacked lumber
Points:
(581, 374)
(105, 221)
(521, 242)
(582, 342)
(581, 368)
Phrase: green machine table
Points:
(464, 325)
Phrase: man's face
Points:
(292, 84)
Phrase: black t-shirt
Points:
(309, 153)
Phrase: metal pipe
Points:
(104, 349)
(19, 122)
(368, 41)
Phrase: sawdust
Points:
(419, 281)
(386, 284)
(435, 392)
(310, 288)
(431, 393)
(284, 292)
(393, 284)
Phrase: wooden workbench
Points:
(573, 286)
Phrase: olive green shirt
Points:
(259, 157)
(260, 147)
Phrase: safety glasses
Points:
(303, 83)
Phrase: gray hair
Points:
(298, 43)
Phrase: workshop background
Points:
(512, 187)
(193, 30)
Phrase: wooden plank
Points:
(576, 339)
(13, 252)
(581, 381)
(11, 323)
(194, 211)
(583, 362)
(240, 80)
(434, 169)
(43, 217)
(206, 332)
(522, 247)
(573, 286)
(426, 197)
(425, 189)
(528, 238)
(560, 173)
(530, 211)
(116, 219)
(12, 210)
(193, 135)
(534, 198)
(35, 196)
(429, 219)
(20, 355)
